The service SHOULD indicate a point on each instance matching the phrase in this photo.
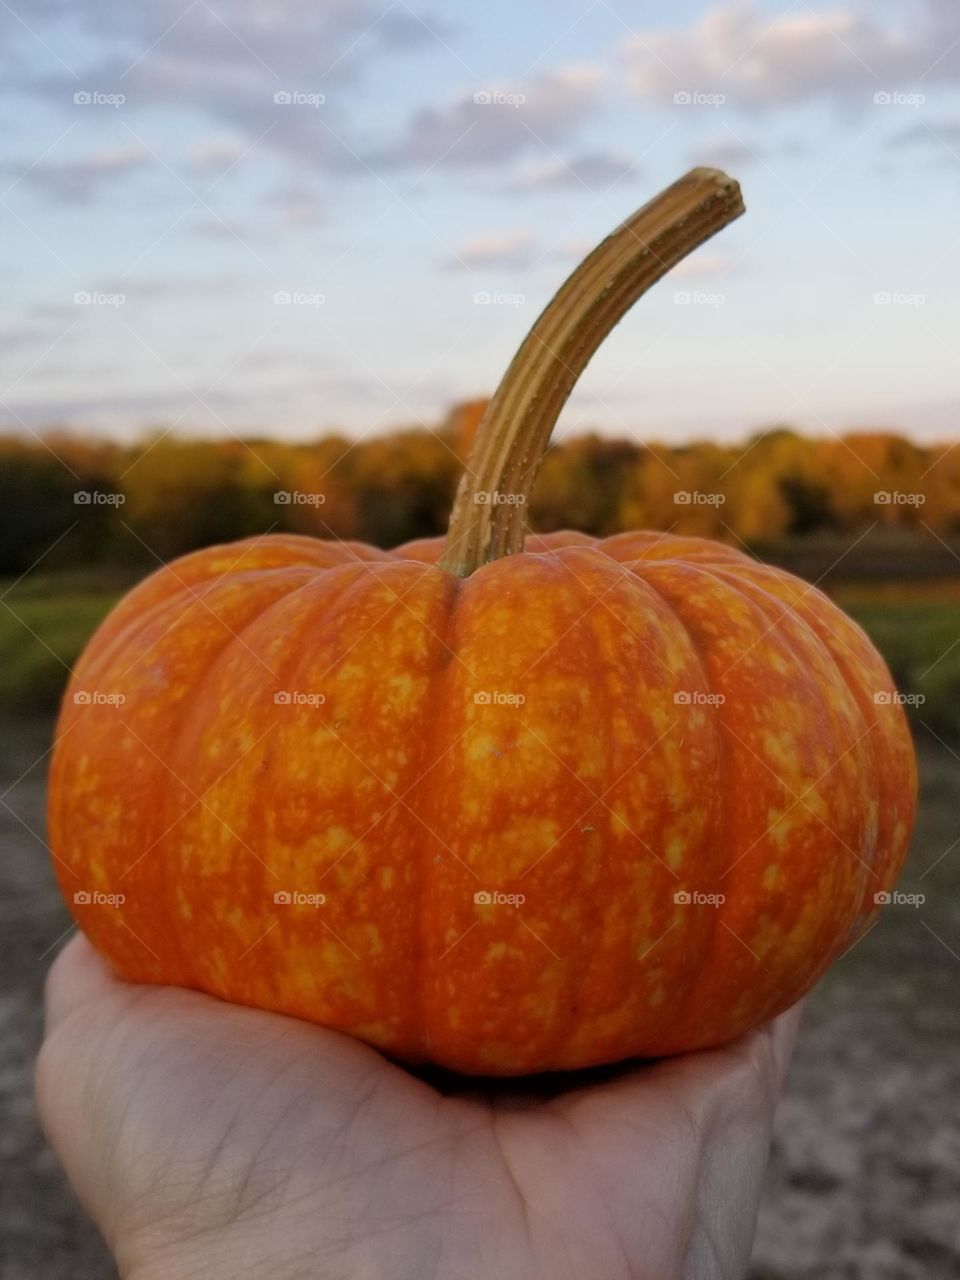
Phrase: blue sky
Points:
(383, 197)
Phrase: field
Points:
(865, 1176)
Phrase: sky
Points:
(282, 218)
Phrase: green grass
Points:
(46, 620)
(920, 641)
(43, 628)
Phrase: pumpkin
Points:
(503, 803)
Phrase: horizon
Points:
(152, 434)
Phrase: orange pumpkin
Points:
(496, 808)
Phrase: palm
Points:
(218, 1141)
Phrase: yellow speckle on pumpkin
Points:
(675, 849)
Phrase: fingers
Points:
(782, 1037)
(77, 975)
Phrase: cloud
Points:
(737, 51)
(513, 248)
(228, 61)
(591, 169)
(212, 284)
(497, 122)
(701, 264)
(299, 206)
(727, 153)
(215, 154)
(215, 228)
(80, 181)
(23, 337)
(939, 133)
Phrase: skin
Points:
(209, 1140)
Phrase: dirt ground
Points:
(864, 1181)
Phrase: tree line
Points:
(83, 501)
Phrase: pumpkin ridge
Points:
(208, 563)
(578, 977)
(158, 827)
(844, 661)
(722, 827)
(180, 768)
(126, 636)
(434, 717)
(395, 577)
(770, 604)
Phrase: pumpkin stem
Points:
(488, 519)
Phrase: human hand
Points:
(208, 1140)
